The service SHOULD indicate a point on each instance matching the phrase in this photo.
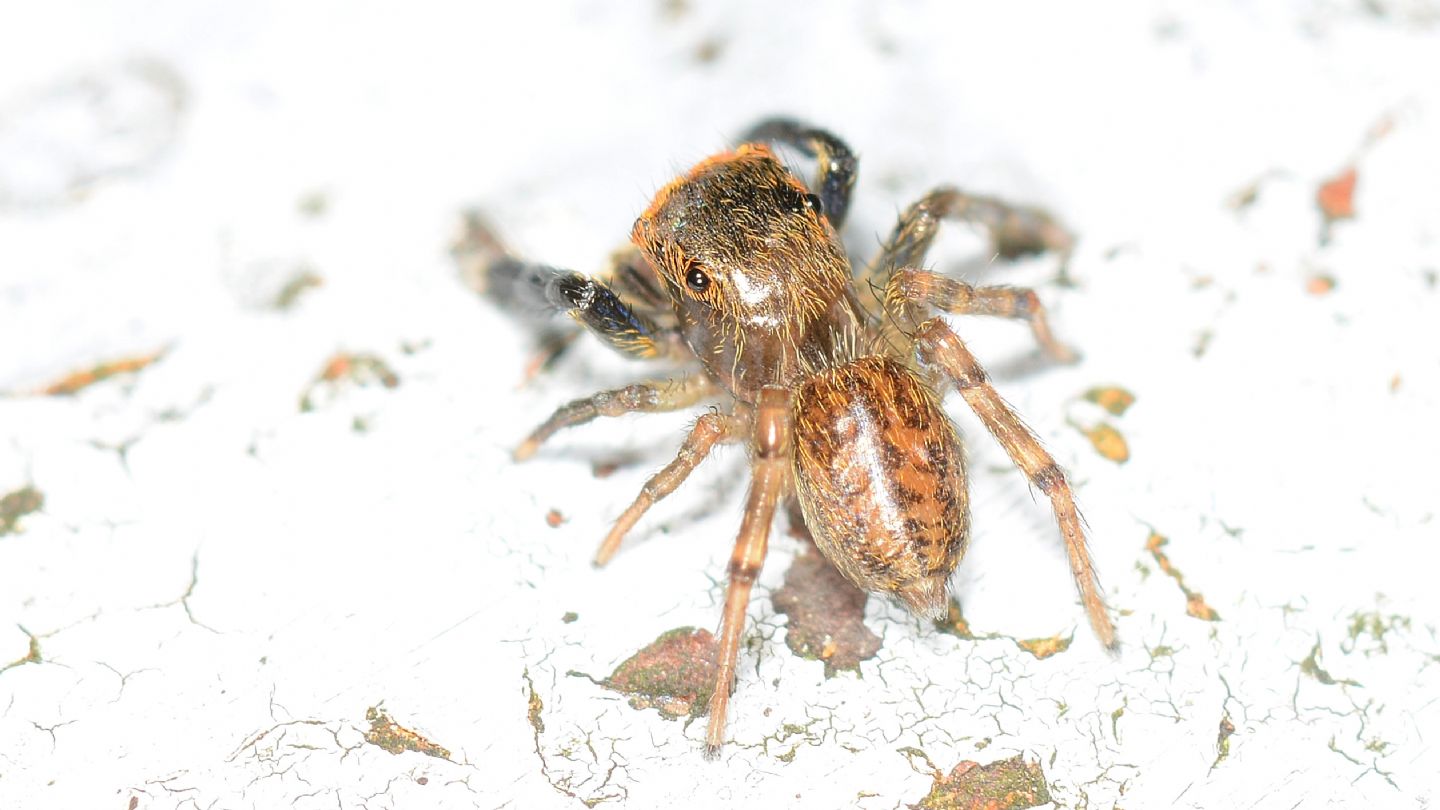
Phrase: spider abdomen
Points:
(880, 474)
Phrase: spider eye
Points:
(815, 203)
(697, 279)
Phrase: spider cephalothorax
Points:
(756, 273)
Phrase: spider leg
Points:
(710, 429)
(647, 397)
(526, 288)
(909, 290)
(596, 307)
(633, 279)
(770, 467)
(938, 345)
(837, 165)
(1014, 231)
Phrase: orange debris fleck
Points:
(80, 380)
(1336, 196)
(1109, 442)
(1112, 398)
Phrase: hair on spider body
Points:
(736, 271)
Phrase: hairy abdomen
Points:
(880, 474)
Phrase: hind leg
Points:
(940, 347)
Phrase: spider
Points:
(833, 373)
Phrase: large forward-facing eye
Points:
(696, 278)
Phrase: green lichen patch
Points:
(33, 656)
(956, 625)
(1311, 666)
(1367, 631)
(386, 734)
(674, 675)
(16, 505)
(1222, 742)
(1007, 784)
(826, 615)
(534, 708)
(303, 279)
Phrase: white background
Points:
(155, 160)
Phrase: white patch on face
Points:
(760, 299)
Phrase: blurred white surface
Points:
(220, 584)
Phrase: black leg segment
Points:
(837, 165)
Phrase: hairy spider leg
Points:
(836, 164)
(595, 306)
(910, 290)
(645, 330)
(488, 268)
(1013, 231)
(938, 345)
(709, 430)
(646, 397)
(769, 470)
(633, 279)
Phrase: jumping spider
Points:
(833, 372)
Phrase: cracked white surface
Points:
(220, 585)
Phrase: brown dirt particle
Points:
(17, 504)
(386, 734)
(1007, 784)
(826, 615)
(674, 675)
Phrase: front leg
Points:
(836, 163)
(770, 468)
(709, 430)
(649, 397)
(938, 345)
(523, 288)
(596, 307)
